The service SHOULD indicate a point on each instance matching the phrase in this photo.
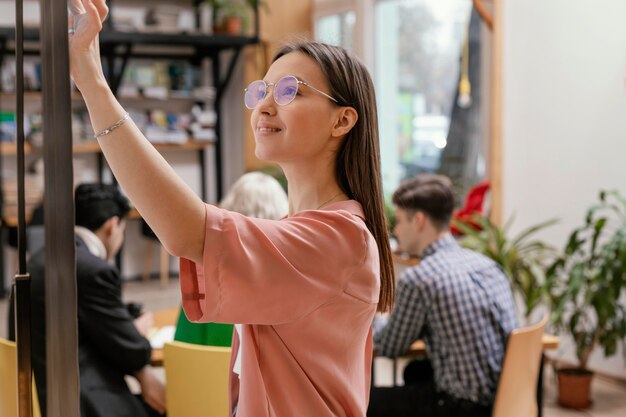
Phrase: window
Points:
(418, 45)
(337, 29)
(416, 48)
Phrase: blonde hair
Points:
(257, 195)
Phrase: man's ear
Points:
(110, 225)
(346, 119)
(419, 219)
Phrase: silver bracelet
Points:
(111, 128)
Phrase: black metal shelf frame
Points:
(117, 47)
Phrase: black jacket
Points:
(109, 344)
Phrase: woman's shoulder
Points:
(349, 209)
(344, 216)
(338, 228)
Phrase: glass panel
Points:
(336, 29)
(418, 45)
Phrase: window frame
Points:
(363, 36)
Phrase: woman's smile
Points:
(265, 129)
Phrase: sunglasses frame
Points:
(268, 85)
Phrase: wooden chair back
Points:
(196, 380)
(8, 381)
(517, 388)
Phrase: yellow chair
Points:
(196, 380)
(8, 381)
(517, 388)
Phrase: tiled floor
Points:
(609, 398)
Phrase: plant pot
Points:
(574, 388)
(231, 25)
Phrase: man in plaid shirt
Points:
(458, 301)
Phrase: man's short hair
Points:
(430, 194)
(97, 203)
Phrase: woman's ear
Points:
(347, 118)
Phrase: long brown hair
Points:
(358, 157)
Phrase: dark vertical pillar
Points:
(61, 316)
(203, 182)
(219, 170)
(3, 50)
(21, 288)
(220, 88)
(459, 158)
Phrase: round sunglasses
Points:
(285, 91)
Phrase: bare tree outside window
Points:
(418, 47)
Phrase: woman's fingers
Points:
(84, 45)
(100, 7)
(85, 20)
(76, 7)
(86, 25)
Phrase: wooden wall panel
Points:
(494, 164)
(284, 20)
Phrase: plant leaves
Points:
(532, 230)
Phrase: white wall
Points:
(564, 114)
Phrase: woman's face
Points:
(301, 129)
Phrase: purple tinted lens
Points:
(255, 93)
(285, 90)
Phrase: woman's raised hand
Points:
(84, 25)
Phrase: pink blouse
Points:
(306, 288)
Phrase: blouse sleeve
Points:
(258, 271)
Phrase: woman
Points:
(306, 287)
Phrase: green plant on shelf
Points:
(234, 16)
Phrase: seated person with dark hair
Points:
(458, 301)
(111, 341)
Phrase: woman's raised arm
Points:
(173, 211)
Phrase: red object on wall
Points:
(474, 204)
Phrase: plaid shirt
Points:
(460, 303)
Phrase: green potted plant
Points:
(522, 257)
(586, 285)
(233, 16)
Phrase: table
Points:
(167, 317)
(157, 357)
(418, 348)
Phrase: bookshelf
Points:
(118, 47)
